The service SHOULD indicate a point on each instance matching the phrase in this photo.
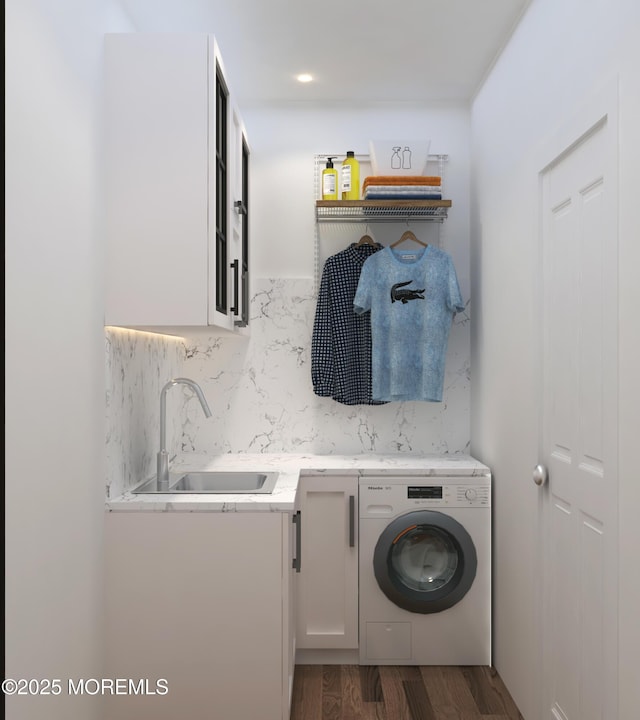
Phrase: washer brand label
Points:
(375, 487)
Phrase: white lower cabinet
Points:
(327, 585)
(199, 615)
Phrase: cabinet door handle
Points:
(235, 267)
(240, 207)
(244, 311)
(297, 560)
(352, 520)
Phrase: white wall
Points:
(284, 140)
(55, 385)
(562, 52)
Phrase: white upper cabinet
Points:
(173, 240)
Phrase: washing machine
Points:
(425, 569)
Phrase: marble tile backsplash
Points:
(260, 392)
(138, 364)
(262, 398)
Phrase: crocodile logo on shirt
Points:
(405, 295)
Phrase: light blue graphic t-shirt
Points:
(412, 296)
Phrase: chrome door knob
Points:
(540, 475)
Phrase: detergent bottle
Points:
(330, 181)
(350, 177)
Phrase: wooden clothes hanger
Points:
(366, 240)
(408, 235)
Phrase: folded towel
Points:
(402, 180)
(402, 196)
(397, 189)
(404, 193)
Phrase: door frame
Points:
(600, 107)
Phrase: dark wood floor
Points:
(352, 692)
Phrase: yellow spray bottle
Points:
(330, 181)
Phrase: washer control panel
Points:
(448, 494)
(386, 496)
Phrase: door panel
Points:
(579, 429)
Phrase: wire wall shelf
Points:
(381, 210)
(335, 219)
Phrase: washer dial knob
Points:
(470, 494)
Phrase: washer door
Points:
(425, 561)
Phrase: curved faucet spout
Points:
(163, 455)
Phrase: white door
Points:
(579, 429)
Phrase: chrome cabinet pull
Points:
(352, 521)
(297, 560)
(244, 311)
(235, 267)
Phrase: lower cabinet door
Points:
(327, 584)
(194, 615)
(291, 562)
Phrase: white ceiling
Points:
(360, 52)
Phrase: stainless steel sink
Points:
(214, 481)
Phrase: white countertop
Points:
(289, 467)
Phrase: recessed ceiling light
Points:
(304, 78)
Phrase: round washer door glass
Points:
(425, 558)
(425, 561)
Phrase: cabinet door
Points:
(167, 174)
(221, 158)
(327, 586)
(245, 230)
(239, 214)
(195, 599)
(290, 556)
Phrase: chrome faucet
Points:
(163, 455)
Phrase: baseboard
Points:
(327, 657)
